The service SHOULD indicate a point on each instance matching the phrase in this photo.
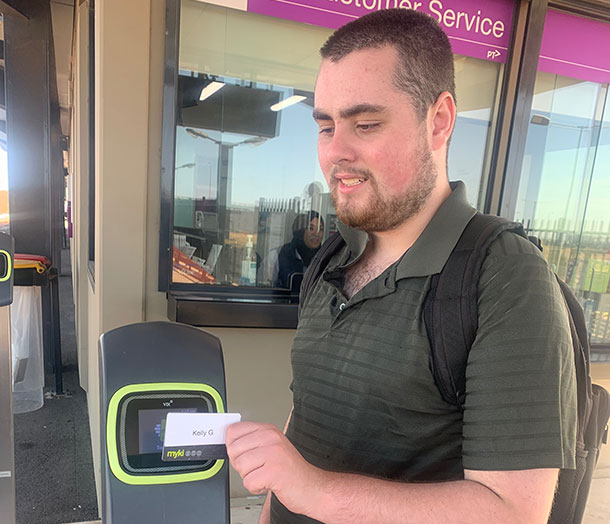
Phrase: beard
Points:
(384, 213)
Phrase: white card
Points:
(197, 429)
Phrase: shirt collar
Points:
(432, 248)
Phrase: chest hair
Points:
(360, 274)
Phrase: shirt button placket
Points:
(339, 310)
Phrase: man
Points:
(370, 438)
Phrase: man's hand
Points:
(267, 461)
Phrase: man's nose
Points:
(341, 148)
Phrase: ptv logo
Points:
(493, 54)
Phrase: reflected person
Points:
(294, 257)
(284, 262)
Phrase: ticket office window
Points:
(248, 191)
(250, 204)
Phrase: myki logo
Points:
(175, 454)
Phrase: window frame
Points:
(201, 304)
(239, 306)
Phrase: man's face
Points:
(372, 147)
(313, 234)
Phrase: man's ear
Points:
(441, 120)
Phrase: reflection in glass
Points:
(564, 190)
(284, 266)
(246, 170)
(476, 83)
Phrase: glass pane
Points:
(565, 189)
(592, 273)
(476, 83)
(247, 183)
(251, 206)
(250, 202)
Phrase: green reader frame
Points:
(111, 430)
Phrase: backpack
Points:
(450, 315)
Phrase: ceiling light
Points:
(210, 89)
(287, 102)
(540, 120)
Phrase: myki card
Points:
(196, 436)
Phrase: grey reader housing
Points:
(148, 370)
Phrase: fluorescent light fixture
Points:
(210, 89)
(540, 120)
(288, 102)
(196, 134)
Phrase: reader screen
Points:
(141, 429)
(151, 428)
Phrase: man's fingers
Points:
(252, 447)
(243, 439)
(260, 453)
(257, 481)
(239, 429)
(247, 462)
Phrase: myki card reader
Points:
(147, 371)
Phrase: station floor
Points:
(246, 510)
(243, 511)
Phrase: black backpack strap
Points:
(320, 260)
(450, 307)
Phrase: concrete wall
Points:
(93, 397)
(122, 50)
(129, 41)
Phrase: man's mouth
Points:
(350, 176)
(349, 182)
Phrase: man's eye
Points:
(326, 130)
(367, 127)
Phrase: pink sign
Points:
(476, 28)
(575, 47)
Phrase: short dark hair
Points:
(301, 222)
(425, 59)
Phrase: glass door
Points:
(564, 185)
(564, 192)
